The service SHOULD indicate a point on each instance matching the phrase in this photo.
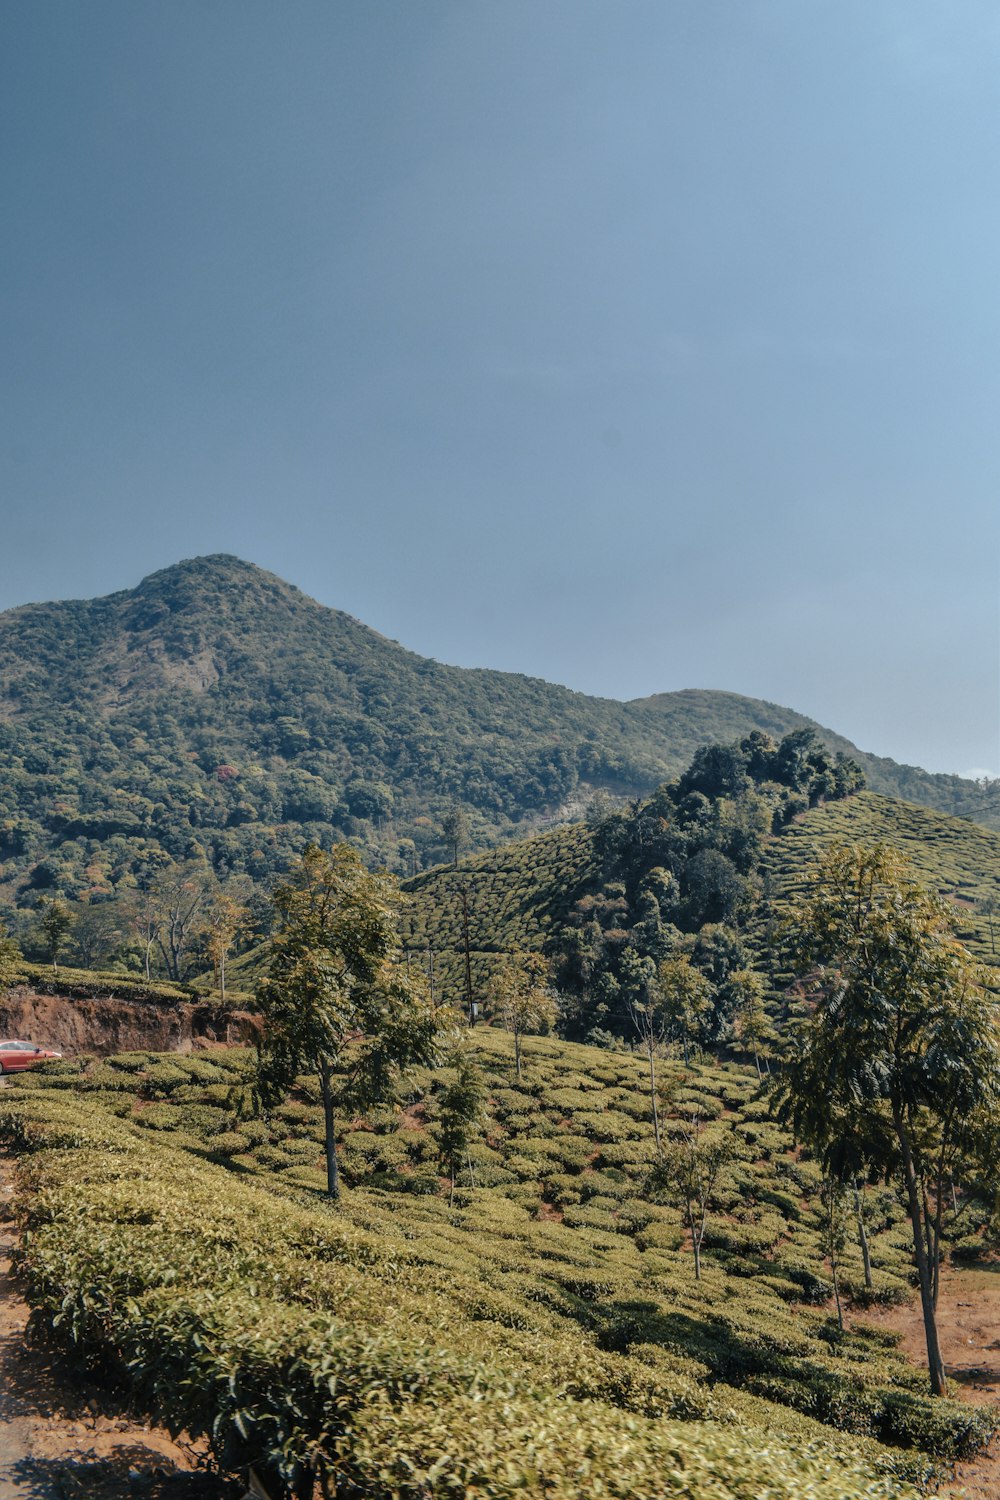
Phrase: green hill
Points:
(956, 859)
(216, 710)
(543, 1334)
(521, 895)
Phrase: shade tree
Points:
(337, 1001)
(519, 995)
(896, 1069)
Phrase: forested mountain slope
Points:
(216, 710)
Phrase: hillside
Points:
(542, 1334)
(216, 710)
(957, 859)
(523, 1315)
(520, 895)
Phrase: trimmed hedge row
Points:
(296, 1338)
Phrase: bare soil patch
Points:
(969, 1330)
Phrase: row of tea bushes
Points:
(382, 1354)
(517, 896)
(554, 1234)
(954, 858)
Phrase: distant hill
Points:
(216, 709)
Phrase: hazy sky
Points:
(632, 345)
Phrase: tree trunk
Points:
(863, 1238)
(332, 1172)
(464, 898)
(652, 1099)
(833, 1265)
(517, 1052)
(222, 977)
(935, 1364)
(937, 1227)
(695, 1242)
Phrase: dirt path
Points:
(969, 1330)
(63, 1438)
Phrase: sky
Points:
(636, 346)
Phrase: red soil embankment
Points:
(103, 1024)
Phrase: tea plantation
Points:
(542, 1334)
(957, 859)
(521, 895)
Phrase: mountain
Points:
(217, 709)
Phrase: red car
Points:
(17, 1055)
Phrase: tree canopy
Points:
(336, 1001)
(897, 1069)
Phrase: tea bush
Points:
(553, 1306)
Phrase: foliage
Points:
(689, 1171)
(216, 713)
(950, 856)
(54, 925)
(545, 893)
(459, 1108)
(678, 879)
(897, 1071)
(553, 1301)
(10, 962)
(519, 996)
(336, 1001)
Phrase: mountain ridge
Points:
(217, 710)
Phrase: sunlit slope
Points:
(516, 896)
(957, 859)
(542, 1335)
(216, 710)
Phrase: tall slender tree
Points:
(460, 1108)
(455, 827)
(518, 994)
(10, 960)
(898, 1066)
(54, 925)
(337, 1000)
(688, 1172)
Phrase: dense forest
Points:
(215, 714)
(678, 884)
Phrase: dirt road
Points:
(969, 1330)
(62, 1438)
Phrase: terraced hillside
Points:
(519, 896)
(957, 859)
(516, 897)
(543, 1334)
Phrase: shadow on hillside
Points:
(135, 1471)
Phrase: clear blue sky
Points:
(632, 345)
